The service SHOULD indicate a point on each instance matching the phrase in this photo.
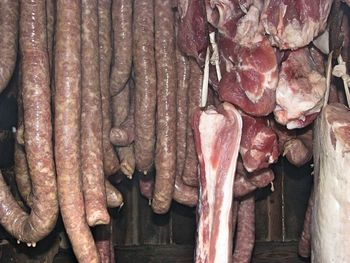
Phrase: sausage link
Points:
(8, 40)
(67, 129)
(91, 120)
(37, 118)
(183, 77)
(189, 175)
(165, 158)
(127, 160)
(126, 154)
(183, 193)
(22, 176)
(245, 231)
(38, 134)
(110, 159)
(123, 135)
(122, 32)
(114, 197)
(145, 84)
(235, 206)
(120, 105)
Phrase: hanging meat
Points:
(193, 32)
(249, 62)
(217, 135)
(332, 158)
(294, 24)
(259, 144)
(300, 91)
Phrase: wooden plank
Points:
(261, 217)
(274, 207)
(122, 217)
(183, 224)
(154, 229)
(297, 187)
(268, 209)
(276, 252)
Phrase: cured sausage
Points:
(37, 118)
(183, 76)
(38, 134)
(122, 33)
(165, 158)
(114, 197)
(123, 135)
(91, 120)
(145, 84)
(8, 40)
(183, 193)
(22, 176)
(189, 175)
(245, 231)
(124, 113)
(120, 105)
(127, 160)
(110, 159)
(67, 129)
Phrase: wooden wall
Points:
(279, 214)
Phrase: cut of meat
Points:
(292, 24)
(193, 35)
(217, 137)
(251, 81)
(300, 91)
(224, 15)
(298, 151)
(246, 183)
(259, 144)
(330, 220)
(248, 61)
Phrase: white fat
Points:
(296, 103)
(330, 226)
(209, 125)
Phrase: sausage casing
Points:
(67, 129)
(145, 84)
(165, 158)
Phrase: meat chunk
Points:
(249, 63)
(217, 137)
(245, 182)
(331, 212)
(251, 82)
(193, 35)
(259, 144)
(300, 91)
(292, 24)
